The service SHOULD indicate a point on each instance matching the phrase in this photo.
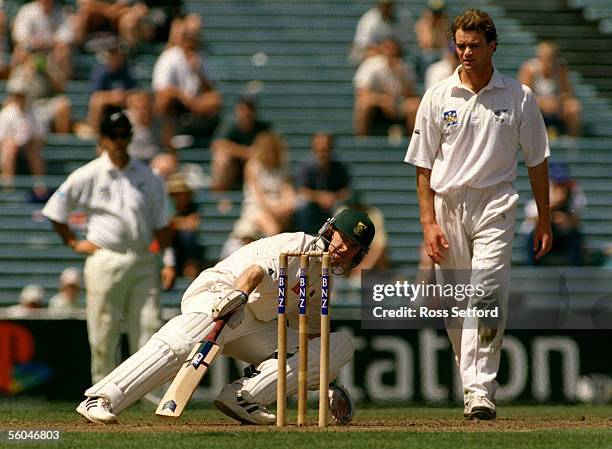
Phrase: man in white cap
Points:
(30, 299)
(65, 301)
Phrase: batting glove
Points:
(228, 304)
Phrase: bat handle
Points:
(216, 330)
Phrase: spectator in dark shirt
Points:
(111, 82)
(567, 200)
(323, 183)
(233, 147)
(184, 225)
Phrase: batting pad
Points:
(155, 363)
(261, 389)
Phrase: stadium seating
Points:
(294, 55)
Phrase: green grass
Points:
(567, 427)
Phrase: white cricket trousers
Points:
(252, 341)
(479, 227)
(122, 295)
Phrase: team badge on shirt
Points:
(450, 118)
(500, 115)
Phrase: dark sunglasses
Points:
(120, 135)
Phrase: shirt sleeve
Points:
(65, 32)
(63, 201)
(162, 73)
(22, 26)
(161, 211)
(533, 139)
(362, 31)
(425, 141)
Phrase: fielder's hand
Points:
(232, 302)
(84, 247)
(435, 242)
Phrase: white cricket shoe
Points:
(481, 408)
(97, 410)
(235, 406)
(341, 405)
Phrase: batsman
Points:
(244, 288)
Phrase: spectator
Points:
(42, 26)
(19, 131)
(165, 165)
(323, 183)
(185, 96)
(111, 81)
(4, 44)
(184, 225)
(232, 148)
(385, 91)
(191, 23)
(269, 197)
(377, 257)
(146, 142)
(567, 201)
(45, 85)
(548, 77)
(430, 31)
(65, 302)
(440, 70)
(244, 232)
(31, 299)
(136, 22)
(126, 206)
(376, 25)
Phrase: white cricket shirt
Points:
(263, 301)
(469, 139)
(123, 207)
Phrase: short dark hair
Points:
(474, 20)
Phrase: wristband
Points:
(169, 257)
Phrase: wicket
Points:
(281, 390)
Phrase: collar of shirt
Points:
(495, 81)
(108, 165)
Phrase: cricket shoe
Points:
(235, 406)
(97, 410)
(481, 408)
(341, 405)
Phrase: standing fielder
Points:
(126, 206)
(245, 284)
(465, 144)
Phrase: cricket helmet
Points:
(357, 226)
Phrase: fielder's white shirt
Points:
(124, 207)
(469, 139)
(32, 22)
(263, 301)
(173, 70)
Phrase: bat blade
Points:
(188, 378)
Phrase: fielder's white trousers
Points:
(122, 295)
(479, 226)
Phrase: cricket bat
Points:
(188, 378)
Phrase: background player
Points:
(245, 284)
(465, 145)
(126, 205)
